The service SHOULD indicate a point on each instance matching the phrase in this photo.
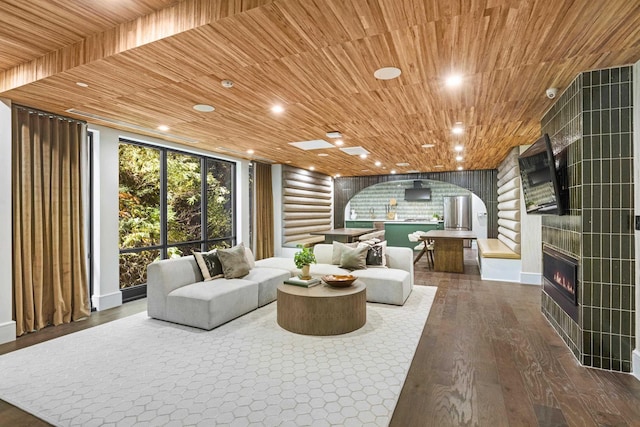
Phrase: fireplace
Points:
(560, 282)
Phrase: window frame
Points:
(140, 291)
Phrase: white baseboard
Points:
(635, 363)
(531, 278)
(7, 332)
(105, 302)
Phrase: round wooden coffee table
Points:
(322, 309)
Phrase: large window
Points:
(171, 204)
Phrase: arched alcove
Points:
(373, 203)
(482, 183)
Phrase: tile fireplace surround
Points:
(592, 120)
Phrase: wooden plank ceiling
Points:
(149, 62)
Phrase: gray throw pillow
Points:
(209, 264)
(354, 259)
(234, 262)
(336, 255)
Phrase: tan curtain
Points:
(263, 211)
(49, 272)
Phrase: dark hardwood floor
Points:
(487, 357)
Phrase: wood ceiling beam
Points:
(178, 18)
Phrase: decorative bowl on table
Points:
(339, 280)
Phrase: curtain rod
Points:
(47, 113)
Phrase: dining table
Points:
(448, 248)
(343, 235)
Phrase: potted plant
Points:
(303, 258)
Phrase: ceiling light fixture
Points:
(428, 145)
(387, 73)
(163, 128)
(337, 175)
(393, 171)
(226, 83)
(250, 151)
(334, 134)
(277, 109)
(458, 158)
(460, 168)
(204, 108)
(312, 168)
(403, 164)
(363, 156)
(378, 163)
(438, 166)
(457, 128)
(82, 84)
(458, 148)
(453, 80)
(323, 154)
(339, 142)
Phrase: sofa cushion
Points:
(354, 258)
(386, 285)
(278, 262)
(234, 262)
(209, 264)
(268, 280)
(205, 306)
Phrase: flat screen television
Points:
(540, 181)
(417, 194)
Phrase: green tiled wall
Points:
(593, 119)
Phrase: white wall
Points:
(7, 325)
(636, 180)
(530, 243)
(106, 287)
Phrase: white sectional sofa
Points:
(177, 293)
(388, 285)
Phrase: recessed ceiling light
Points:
(363, 156)
(378, 163)
(163, 128)
(277, 109)
(337, 175)
(393, 171)
(387, 73)
(250, 151)
(402, 164)
(312, 168)
(226, 83)
(438, 166)
(323, 154)
(413, 171)
(460, 168)
(365, 170)
(457, 129)
(203, 108)
(288, 161)
(82, 84)
(458, 158)
(458, 148)
(453, 80)
(334, 134)
(339, 142)
(428, 145)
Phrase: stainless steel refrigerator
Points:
(457, 214)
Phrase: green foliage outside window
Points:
(139, 206)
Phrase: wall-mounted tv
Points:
(417, 194)
(540, 184)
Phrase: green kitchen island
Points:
(396, 233)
